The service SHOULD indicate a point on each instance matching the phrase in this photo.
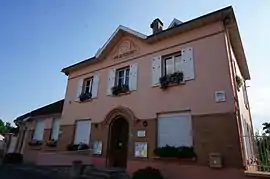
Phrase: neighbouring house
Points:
(39, 130)
(174, 100)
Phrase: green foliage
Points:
(4, 127)
(175, 78)
(147, 173)
(177, 152)
(239, 82)
(266, 128)
(116, 90)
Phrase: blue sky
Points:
(40, 37)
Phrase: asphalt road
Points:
(13, 172)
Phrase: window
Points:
(82, 133)
(245, 95)
(87, 85)
(55, 129)
(39, 130)
(172, 64)
(122, 76)
(175, 129)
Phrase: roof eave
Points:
(237, 46)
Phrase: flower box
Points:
(117, 90)
(182, 152)
(76, 147)
(167, 80)
(85, 96)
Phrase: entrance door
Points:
(118, 143)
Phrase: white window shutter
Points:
(180, 130)
(156, 70)
(79, 89)
(39, 130)
(95, 85)
(188, 63)
(82, 132)
(133, 76)
(111, 79)
(55, 129)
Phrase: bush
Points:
(13, 158)
(177, 152)
(147, 173)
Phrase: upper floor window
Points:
(122, 76)
(172, 64)
(182, 61)
(122, 80)
(87, 88)
(87, 85)
(39, 130)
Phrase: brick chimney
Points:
(156, 26)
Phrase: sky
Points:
(40, 37)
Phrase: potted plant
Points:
(239, 82)
(118, 89)
(175, 78)
(35, 142)
(51, 143)
(85, 96)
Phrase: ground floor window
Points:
(82, 132)
(175, 129)
(39, 130)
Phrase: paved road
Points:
(11, 172)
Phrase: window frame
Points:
(91, 79)
(126, 74)
(168, 57)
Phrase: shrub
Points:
(147, 173)
(13, 158)
(177, 152)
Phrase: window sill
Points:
(122, 94)
(78, 101)
(257, 174)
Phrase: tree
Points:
(6, 127)
(266, 128)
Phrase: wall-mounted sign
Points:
(220, 96)
(126, 48)
(141, 133)
(141, 149)
(97, 147)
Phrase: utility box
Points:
(215, 160)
